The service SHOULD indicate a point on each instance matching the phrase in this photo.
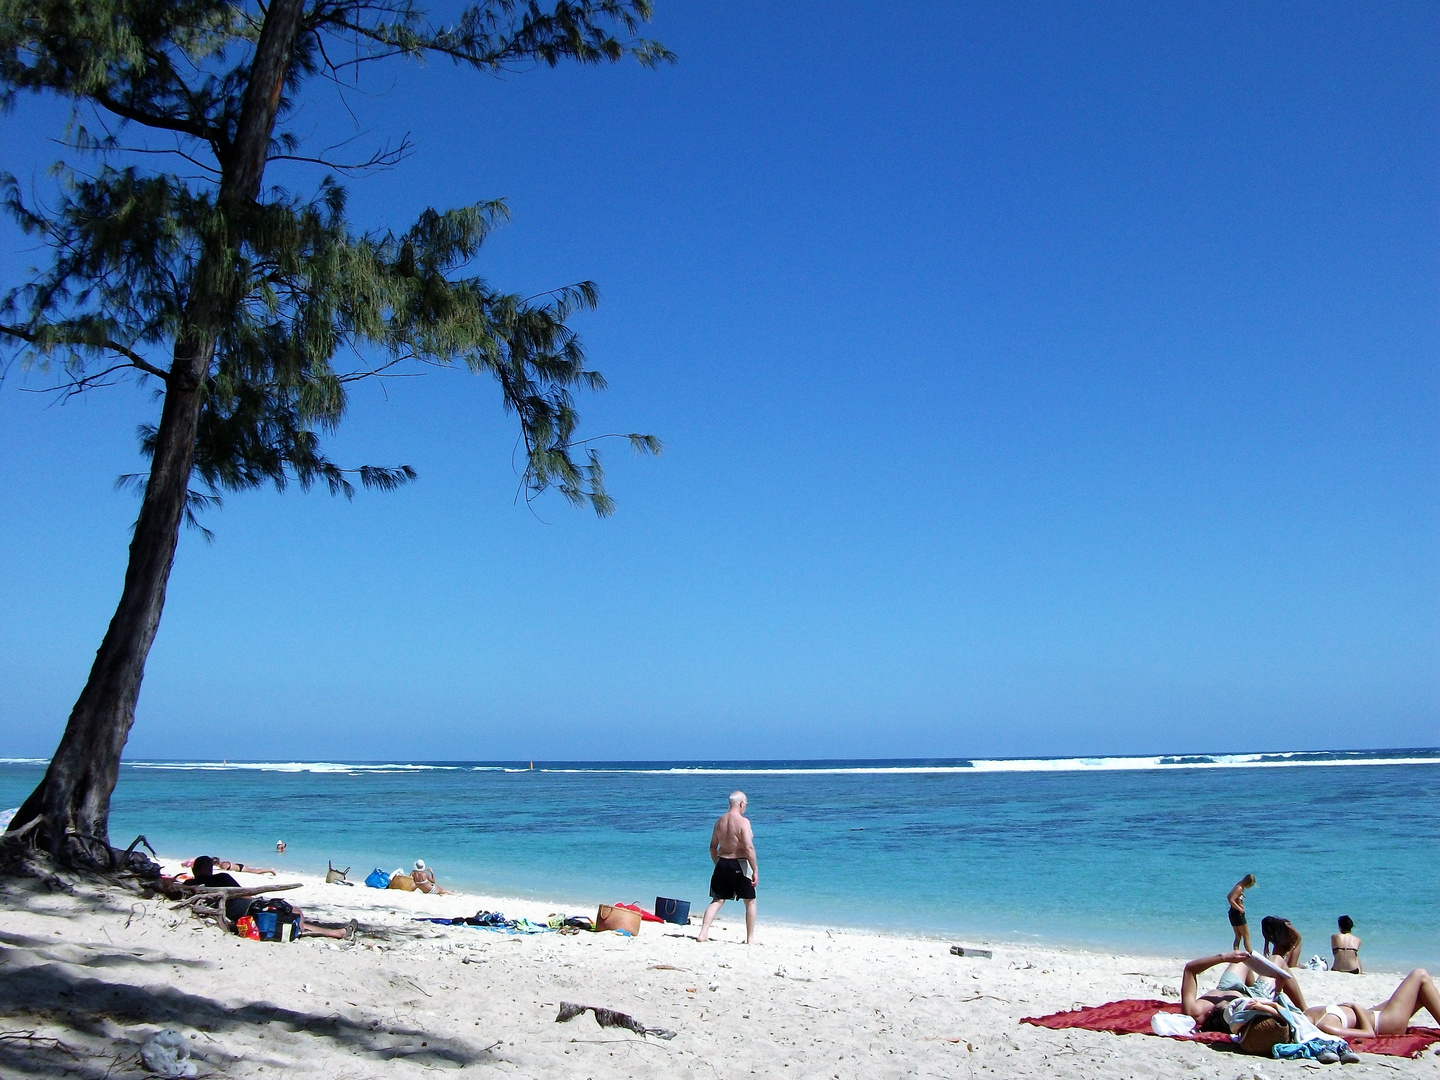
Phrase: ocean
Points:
(1134, 854)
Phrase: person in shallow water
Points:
(1236, 981)
(1345, 947)
(1392, 1016)
(737, 870)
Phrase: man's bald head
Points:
(737, 800)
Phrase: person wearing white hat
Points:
(425, 879)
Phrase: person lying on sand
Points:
(237, 906)
(424, 879)
(1238, 980)
(233, 867)
(1416, 992)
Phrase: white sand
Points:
(100, 972)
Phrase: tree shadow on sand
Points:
(45, 995)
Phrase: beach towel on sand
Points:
(1132, 1017)
(645, 916)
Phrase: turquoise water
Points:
(1128, 853)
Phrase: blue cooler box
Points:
(676, 911)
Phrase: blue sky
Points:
(1034, 379)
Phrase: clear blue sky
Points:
(1034, 379)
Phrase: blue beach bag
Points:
(672, 911)
(275, 919)
(378, 879)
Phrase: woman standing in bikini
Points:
(1236, 900)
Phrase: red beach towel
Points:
(1132, 1017)
(645, 916)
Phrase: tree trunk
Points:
(74, 796)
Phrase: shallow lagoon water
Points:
(1133, 854)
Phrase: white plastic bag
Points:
(1176, 1025)
(167, 1053)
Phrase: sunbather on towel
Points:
(1416, 992)
(1236, 981)
(235, 867)
(236, 906)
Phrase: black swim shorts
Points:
(1237, 918)
(730, 881)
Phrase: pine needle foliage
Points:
(288, 289)
(261, 296)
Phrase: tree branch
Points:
(133, 359)
(381, 159)
(204, 132)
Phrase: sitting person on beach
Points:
(236, 867)
(1345, 947)
(1282, 940)
(1392, 1016)
(204, 872)
(238, 906)
(424, 879)
(1237, 981)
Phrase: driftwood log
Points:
(610, 1018)
(208, 901)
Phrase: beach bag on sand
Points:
(1263, 1033)
(672, 911)
(622, 919)
(404, 882)
(377, 879)
(274, 919)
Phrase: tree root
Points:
(21, 857)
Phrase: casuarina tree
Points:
(256, 308)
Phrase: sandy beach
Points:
(89, 975)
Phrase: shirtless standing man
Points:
(737, 871)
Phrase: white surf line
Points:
(286, 766)
(975, 765)
(1009, 767)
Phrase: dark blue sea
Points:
(1129, 853)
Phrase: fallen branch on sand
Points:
(209, 902)
(610, 1018)
(32, 1038)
